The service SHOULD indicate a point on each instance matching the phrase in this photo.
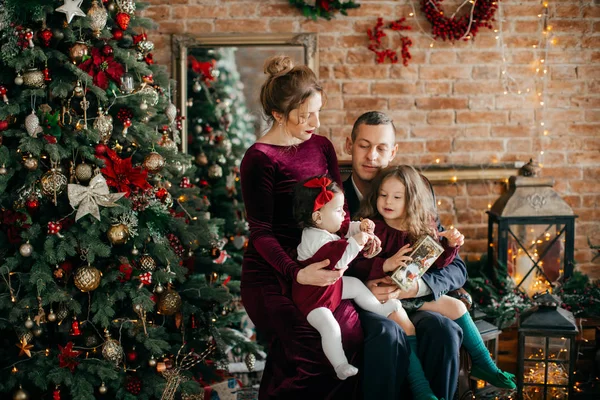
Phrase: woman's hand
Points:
(397, 260)
(315, 274)
(454, 237)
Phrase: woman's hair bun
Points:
(278, 65)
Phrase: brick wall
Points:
(448, 104)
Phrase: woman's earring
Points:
(280, 123)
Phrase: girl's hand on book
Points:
(454, 237)
(397, 260)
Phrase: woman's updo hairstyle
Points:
(287, 86)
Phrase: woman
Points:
(288, 153)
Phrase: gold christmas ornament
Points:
(169, 303)
(126, 6)
(118, 234)
(97, 16)
(87, 278)
(167, 142)
(112, 350)
(30, 163)
(83, 172)
(147, 263)
(250, 361)
(104, 125)
(53, 183)
(20, 394)
(34, 78)
(78, 51)
(154, 162)
(201, 159)
(102, 389)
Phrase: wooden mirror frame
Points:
(181, 44)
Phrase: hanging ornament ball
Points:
(97, 17)
(26, 249)
(197, 87)
(37, 331)
(250, 361)
(102, 389)
(58, 34)
(3, 170)
(154, 162)
(100, 149)
(78, 51)
(215, 171)
(20, 395)
(169, 303)
(29, 323)
(19, 80)
(159, 289)
(112, 351)
(239, 241)
(87, 278)
(32, 204)
(117, 34)
(135, 251)
(83, 172)
(118, 234)
(152, 362)
(34, 78)
(133, 384)
(198, 129)
(51, 316)
(53, 182)
(201, 159)
(132, 355)
(31, 163)
(147, 263)
(92, 340)
(143, 105)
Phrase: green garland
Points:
(323, 8)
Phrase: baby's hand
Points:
(454, 237)
(366, 225)
(373, 247)
(361, 238)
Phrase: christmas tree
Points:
(106, 246)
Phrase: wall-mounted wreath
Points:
(479, 13)
(323, 8)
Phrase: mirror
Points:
(225, 73)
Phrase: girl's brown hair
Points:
(419, 212)
(287, 86)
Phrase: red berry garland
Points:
(133, 384)
(459, 27)
(377, 33)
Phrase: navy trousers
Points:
(386, 355)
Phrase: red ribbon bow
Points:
(325, 196)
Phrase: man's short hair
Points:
(371, 118)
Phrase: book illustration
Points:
(426, 251)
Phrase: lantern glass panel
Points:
(536, 255)
(535, 372)
(558, 373)
(559, 349)
(533, 393)
(535, 347)
(557, 393)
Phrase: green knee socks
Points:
(416, 377)
(483, 365)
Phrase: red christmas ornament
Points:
(123, 20)
(176, 245)
(162, 193)
(185, 183)
(459, 27)
(45, 36)
(100, 149)
(117, 34)
(107, 50)
(56, 394)
(194, 323)
(29, 37)
(149, 59)
(203, 183)
(32, 204)
(124, 114)
(146, 279)
(132, 355)
(54, 228)
(139, 38)
(46, 73)
(75, 331)
(3, 125)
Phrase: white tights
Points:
(323, 321)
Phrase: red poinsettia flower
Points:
(102, 68)
(325, 4)
(121, 174)
(66, 358)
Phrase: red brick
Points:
(585, 186)
(563, 172)
(592, 11)
(366, 103)
(521, 116)
(371, 10)
(572, 26)
(435, 132)
(395, 88)
(514, 145)
(486, 72)
(479, 87)
(471, 145)
(408, 117)
(440, 117)
(444, 72)
(197, 26)
(275, 10)
(433, 88)
(566, 10)
(240, 25)
(592, 115)
(283, 25)
(586, 101)
(478, 117)
(527, 26)
(438, 146)
(509, 101)
(476, 131)
(410, 146)
(518, 131)
(160, 12)
(442, 57)
(436, 103)
(242, 10)
(347, 41)
(573, 201)
(398, 71)
(360, 56)
(585, 158)
(361, 72)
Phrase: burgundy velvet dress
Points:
(296, 366)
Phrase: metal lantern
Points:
(531, 231)
(547, 352)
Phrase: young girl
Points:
(402, 206)
(319, 209)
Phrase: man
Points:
(372, 146)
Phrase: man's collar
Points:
(358, 193)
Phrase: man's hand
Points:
(383, 289)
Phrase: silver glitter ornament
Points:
(26, 249)
(215, 171)
(83, 172)
(34, 78)
(126, 6)
(104, 125)
(32, 124)
(171, 112)
(97, 16)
